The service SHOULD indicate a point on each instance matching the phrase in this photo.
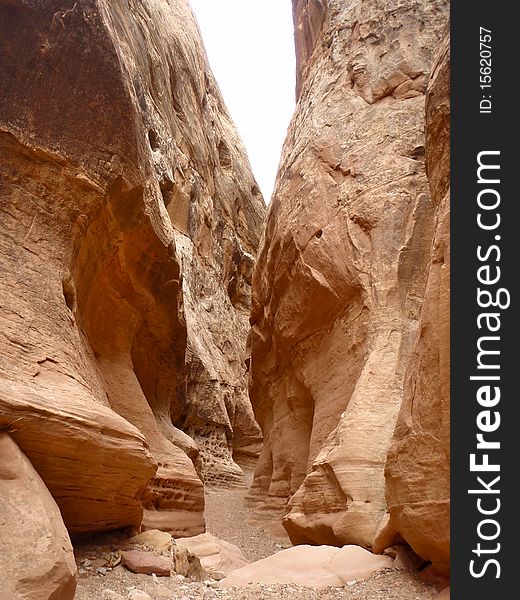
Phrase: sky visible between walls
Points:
(250, 47)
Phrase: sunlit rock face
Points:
(418, 467)
(129, 222)
(342, 268)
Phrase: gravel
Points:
(389, 585)
(226, 518)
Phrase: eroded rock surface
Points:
(418, 467)
(342, 269)
(129, 217)
(308, 17)
(313, 566)
(36, 556)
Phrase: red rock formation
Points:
(29, 520)
(418, 467)
(342, 268)
(128, 219)
(308, 17)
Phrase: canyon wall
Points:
(129, 219)
(418, 467)
(343, 267)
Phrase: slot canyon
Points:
(203, 393)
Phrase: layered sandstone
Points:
(32, 530)
(418, 467)
(129, 218)
(342, 269)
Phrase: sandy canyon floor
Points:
(226, 518)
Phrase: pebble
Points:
(138, 595)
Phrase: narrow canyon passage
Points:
(227, 517)
(203, 395)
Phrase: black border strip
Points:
(473, 132)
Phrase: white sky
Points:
(251, 51)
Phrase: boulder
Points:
(160, 542)
(36, 556)
(145, 563)
(187, 564)
(312, 566)
(216, 556)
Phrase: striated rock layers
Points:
(342, 268)
(128, 221)
(418, 467)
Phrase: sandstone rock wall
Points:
(308, 17)
(418, 467)
(129, 218)
(342, 268)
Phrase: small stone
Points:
(145, 563)
(101, 571)
(138, 595)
